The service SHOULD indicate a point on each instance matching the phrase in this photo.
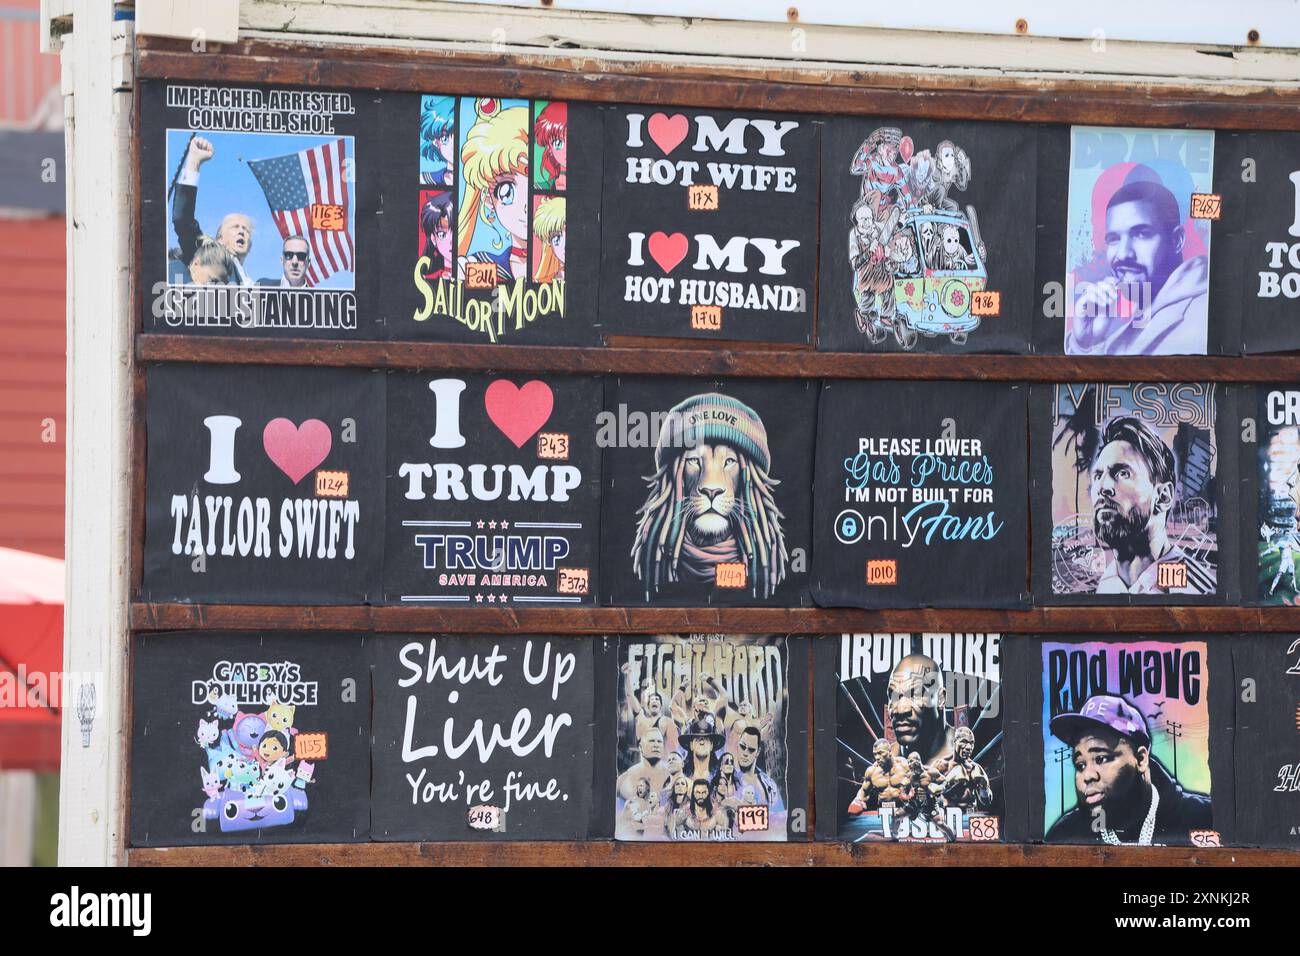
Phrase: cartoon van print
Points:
(916, 255)
(936, 299)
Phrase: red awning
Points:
(31, 660)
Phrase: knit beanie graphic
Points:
(714, 418)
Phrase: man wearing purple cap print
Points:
(1125, 795)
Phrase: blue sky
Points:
(227, 185)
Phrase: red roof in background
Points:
(33, 368)
(31, 643)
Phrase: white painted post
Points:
(99, 189)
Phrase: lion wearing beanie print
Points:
(710, 500)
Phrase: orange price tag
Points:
(310, 746)
(1171, 574)
(986, 303)
(572, 580)
(882, 572)
(702, 198)
(1206, 205)
(328, 216)
(750, 819)
(332, 484)
(985, 829)
(553, 445)
(481, 275)
(731, 574)
(706, 317)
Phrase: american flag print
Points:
(308, 195)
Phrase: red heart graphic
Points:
(668, 250)
(668, 131)
(520, 413)
(296, 450)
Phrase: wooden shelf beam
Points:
(719, 86)
(711, 359)
(741, 620)
(608, 853)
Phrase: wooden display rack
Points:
(839, 92)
